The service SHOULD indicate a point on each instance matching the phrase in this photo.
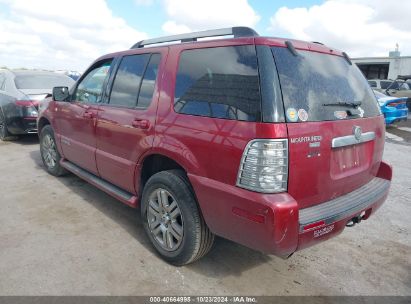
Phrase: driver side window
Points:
(90, 88)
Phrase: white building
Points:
(384, 67)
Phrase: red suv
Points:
(275, 144)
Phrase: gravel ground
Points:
(62, 236)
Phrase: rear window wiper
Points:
(344, 103)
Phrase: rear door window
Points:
(319, 84)
(219, 82)
(127, 82)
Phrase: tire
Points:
(409, 103)
(49, 152)
(4, 132)
(180, 216)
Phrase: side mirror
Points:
(61, 93)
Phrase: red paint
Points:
(333, 177)
(250, 216)
(113, 143)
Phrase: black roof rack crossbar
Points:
(237, 32)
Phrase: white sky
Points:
(57, 34)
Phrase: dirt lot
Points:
(62, 236)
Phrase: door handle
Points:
(88, 115)
(141, 123)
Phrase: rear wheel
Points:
(4, 132)
(49, 153)
(172, 219)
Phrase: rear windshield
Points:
(314, 85)
(36, 81)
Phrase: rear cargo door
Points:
(335, 129)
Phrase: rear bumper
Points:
(22, 125)
(395, 115)
(273, 223)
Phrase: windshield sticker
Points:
(292, 115)
(302, 115)
(340, 114)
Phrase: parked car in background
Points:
(393, 108)
(401, 88)
(380, 85)
(272, 143)
(20, 94)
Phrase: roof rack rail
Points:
(238, 31)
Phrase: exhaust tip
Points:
(355, 220)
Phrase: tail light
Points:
(29, 107)
(395, 104)
(264, 166)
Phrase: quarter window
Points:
(90, 88)
(219, 82)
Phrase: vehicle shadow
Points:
(226, 258)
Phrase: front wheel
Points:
(49, 153)
(172, 219)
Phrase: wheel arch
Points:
(152, 164)
(43, 121)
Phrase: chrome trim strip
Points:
(345, 205)
(349, 140)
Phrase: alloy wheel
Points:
(165, 220)
(49, 151)
(2, 127)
